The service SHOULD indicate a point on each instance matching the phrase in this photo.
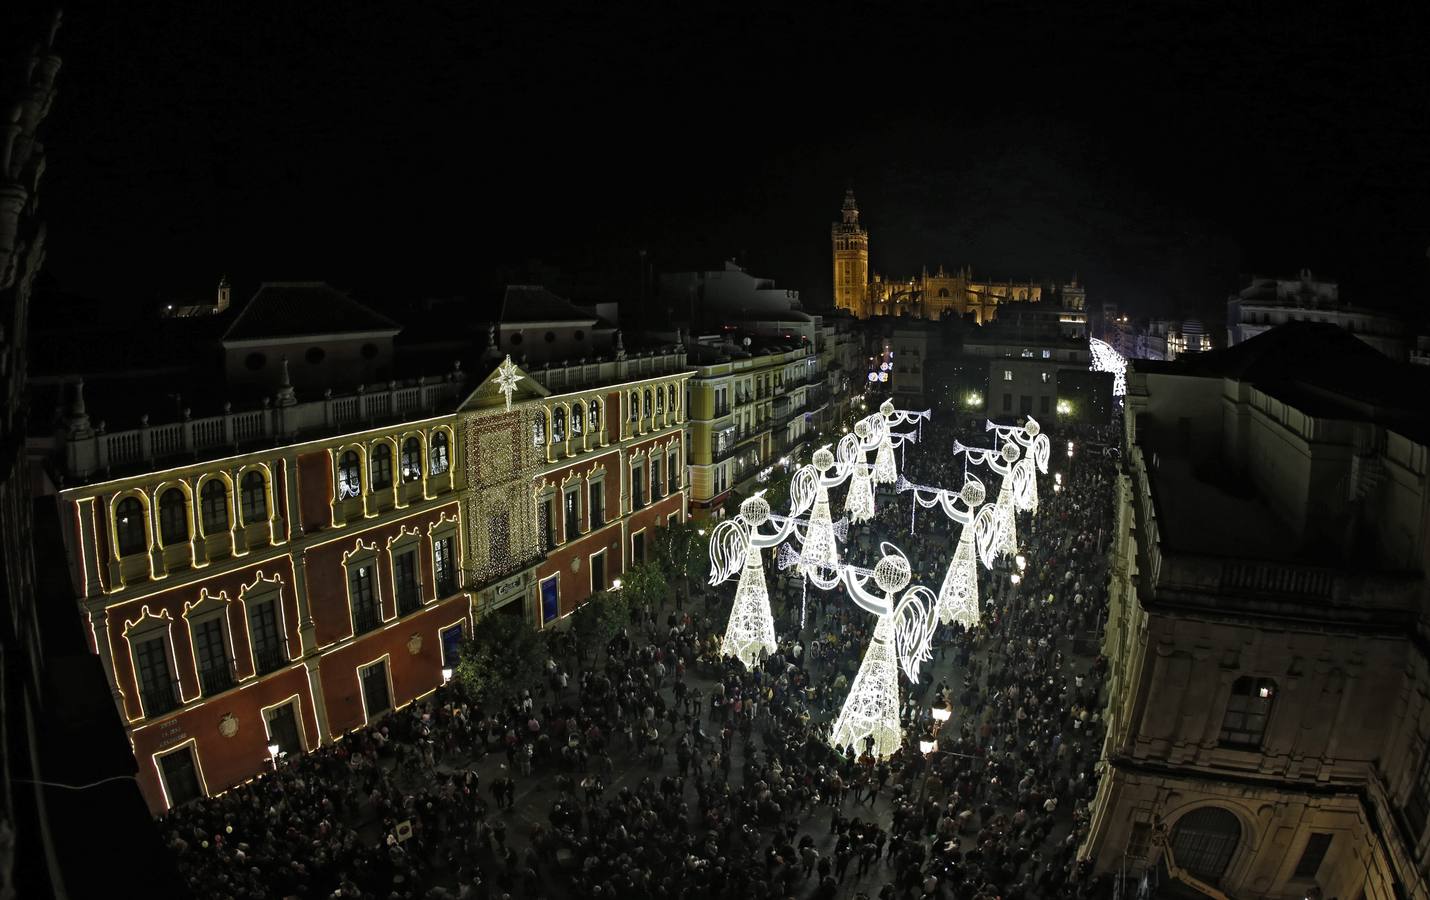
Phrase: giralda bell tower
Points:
(851, 261)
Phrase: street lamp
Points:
(941, 712)
(616, 584)
(1016, 578)
(1022, 561)
(446, 674)
(927, 745)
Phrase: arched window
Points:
(129, 527)
(437, 461)
(253, 497)
(1204, 841)
(538, 432)
(943, 293)
(411, 461)
(381, 463)
(173, 517)
(659, 401)
(595, 415)
(646, 413)
(1243, 725)
(349, 475)
(213, 506)
(578, 419)
(670, 398)
(635, 406)
(558, 425)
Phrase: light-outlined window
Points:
(657, 486)
(660, 401)
(153, 669)
(265, 636)
(405, 581)
(578, 419)
(558, 425)
(571, 511)
(635, 405)
(1243, 726)
(212, 656)
(179, 771)
(444, 567)
(450, 639)
(638, 547)
(282, 724)
(546, 513)
(213, 506)
(673, 465)
(376, 688)
(381, 463)
(596, 492)
(349, 475)
(173, 517)
(670, 399)
(253, 497)
(438, 455)
(595, 416)
(130, 530)
(362, 591)
(597, 569)
(637, 486)
(646, 409)
(410, 463)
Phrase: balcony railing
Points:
(409, 600)
(216, 680)
(721, 409)
(365, 619)
(722, 454)
(160, 699)
(269, 659)
(446, 587)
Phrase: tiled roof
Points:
(294, 309)
(534, 303)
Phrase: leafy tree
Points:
(596, 621)
(503, 654)
(645, 584)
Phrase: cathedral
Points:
(929, 296)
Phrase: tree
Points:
(645, 584)
(597, 620)
(684, 552)
(503, 654)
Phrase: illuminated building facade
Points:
(749, 408)
(932, 295)
(279, 576)
(1267, 302)
(1268, 732)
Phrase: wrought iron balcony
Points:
(217, 679)
(365, 620)
(269, 659)
(159, 699)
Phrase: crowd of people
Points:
(666, 770)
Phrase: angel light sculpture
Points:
(1001, 461)
(859, 502)
(1035, 459)
(978, 540)
(735, 546)
(820, 548)
(903, 638)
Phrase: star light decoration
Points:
(507, 378)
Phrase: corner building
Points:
(1268, 729)
(281, 576)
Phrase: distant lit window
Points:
(595, 415)
(129, 526)
(381, 463)
(1247, 711)
(349, 475)
(213, 506)
(558, 425)
(635, 406)
(253, 497)
(1046, 377)
(645, 413)
(411, 459)
(578, 419)
(1007, 374)
(1047, 354)
(437, 458)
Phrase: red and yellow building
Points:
(310, 566)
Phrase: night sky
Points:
(408, 153)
